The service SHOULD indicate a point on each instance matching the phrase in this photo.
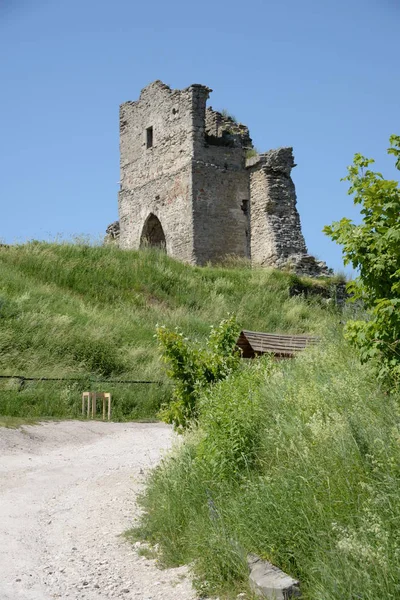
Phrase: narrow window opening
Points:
(149, 137)
(245, 206)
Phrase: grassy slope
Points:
(298, 462)
(75, 310)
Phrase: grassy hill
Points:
(85, 312)
(297, 461)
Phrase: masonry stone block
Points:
(267, 581)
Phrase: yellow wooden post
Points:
(108, 395)
(86, 396)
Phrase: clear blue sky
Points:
(323, 77)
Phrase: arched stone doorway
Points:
(153, 233)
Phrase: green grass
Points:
(298, 462)
(15, 422)
(86, 312)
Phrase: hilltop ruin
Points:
(192, 182)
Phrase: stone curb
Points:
(267, 581)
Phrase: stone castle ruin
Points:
(191, 182)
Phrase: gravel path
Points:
(67, 492)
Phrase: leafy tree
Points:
(192, 368)
(373, 247)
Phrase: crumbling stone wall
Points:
(275, 223)
(184, 169)
(222, 128)
(276, 236)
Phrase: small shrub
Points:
(227, 115)
(251, 152)
(192, 369)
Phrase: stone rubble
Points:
(112, 233)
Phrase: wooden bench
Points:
(255, 343)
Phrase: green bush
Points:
(373, 247)
(193, 369)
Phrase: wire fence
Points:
(23, 379)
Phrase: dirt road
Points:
(67, 492)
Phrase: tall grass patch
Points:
(62, 399)
(296, 461)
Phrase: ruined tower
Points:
(187, 184)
